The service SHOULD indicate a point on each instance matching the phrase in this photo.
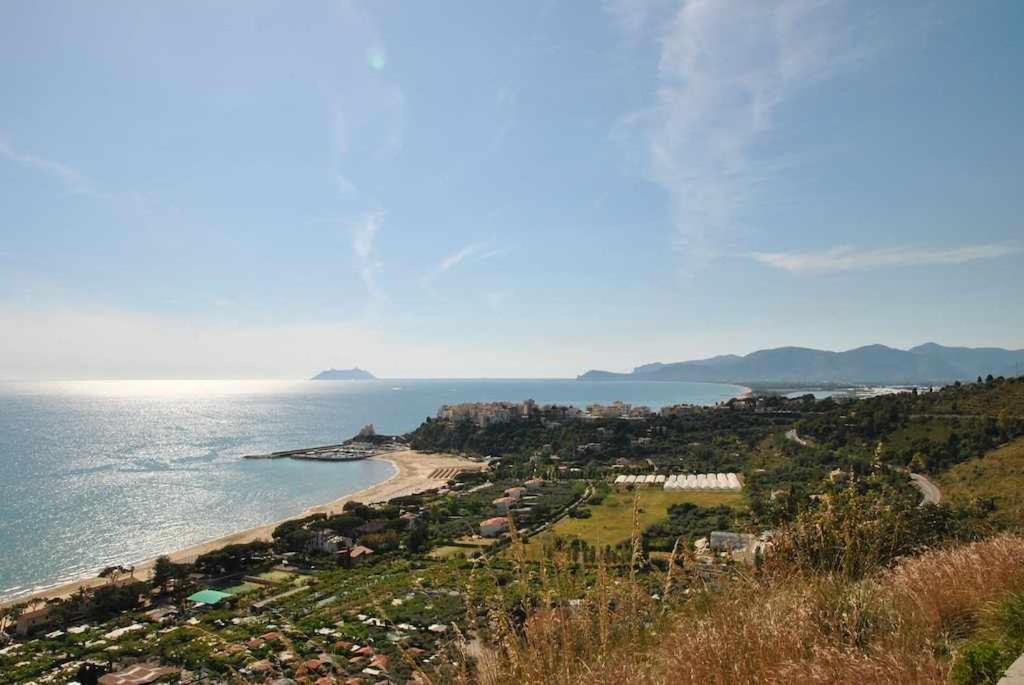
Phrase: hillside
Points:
(353, 374)
(999, 475)
(949, 615)
(924, 364)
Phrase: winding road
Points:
(791, 434)
(930, 493)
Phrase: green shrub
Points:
(982, 662)
(1010, 617)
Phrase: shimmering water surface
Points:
(102, 472)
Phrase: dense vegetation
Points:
(927, 431)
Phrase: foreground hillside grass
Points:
(611, 522)
(999, 475)
(949, 615)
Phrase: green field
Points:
(611, 522)
(451, 551)
(999, 474)
(242, 589)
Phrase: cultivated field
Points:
(611, 522)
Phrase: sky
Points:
(528, 189)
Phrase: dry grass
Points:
(899, 626)
(999, 475)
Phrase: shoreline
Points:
(412, 475)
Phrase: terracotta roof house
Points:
(359, 552)
(503, 504)
(493, 527)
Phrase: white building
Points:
(327, 542)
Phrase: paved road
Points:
(1014, 674)
(930, 493)
(791, 434)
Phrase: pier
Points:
(341, 452)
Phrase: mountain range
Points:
(353, 374)
(928, 363)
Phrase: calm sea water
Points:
(103, 472)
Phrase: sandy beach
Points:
(413, 474)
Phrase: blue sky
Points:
(501, 189)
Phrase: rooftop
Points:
(210, 596)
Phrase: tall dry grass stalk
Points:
(897, 626)
(574, 625)
(942, 592)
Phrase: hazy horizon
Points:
(381, 377)
(527, 191)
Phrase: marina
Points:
(353, 451)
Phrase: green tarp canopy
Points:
(209, 596)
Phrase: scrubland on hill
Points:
(952, 614)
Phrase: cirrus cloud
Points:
(839, 259)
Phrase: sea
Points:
(97, 473)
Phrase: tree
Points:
(1003, 422)
(919, 462)
(114, 572)
(419, 537)
(112, 599)
(163, 572)
(8, 615)
(381, 542)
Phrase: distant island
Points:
(924, 364)
(353, 374)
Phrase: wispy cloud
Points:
(345, 186)
(456, 258)
(364, 233)
(474, 252)
(129, 204)
(725, 67)
(850, 259)
(73, 180)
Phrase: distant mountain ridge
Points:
(928, 363)
(353, 374)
